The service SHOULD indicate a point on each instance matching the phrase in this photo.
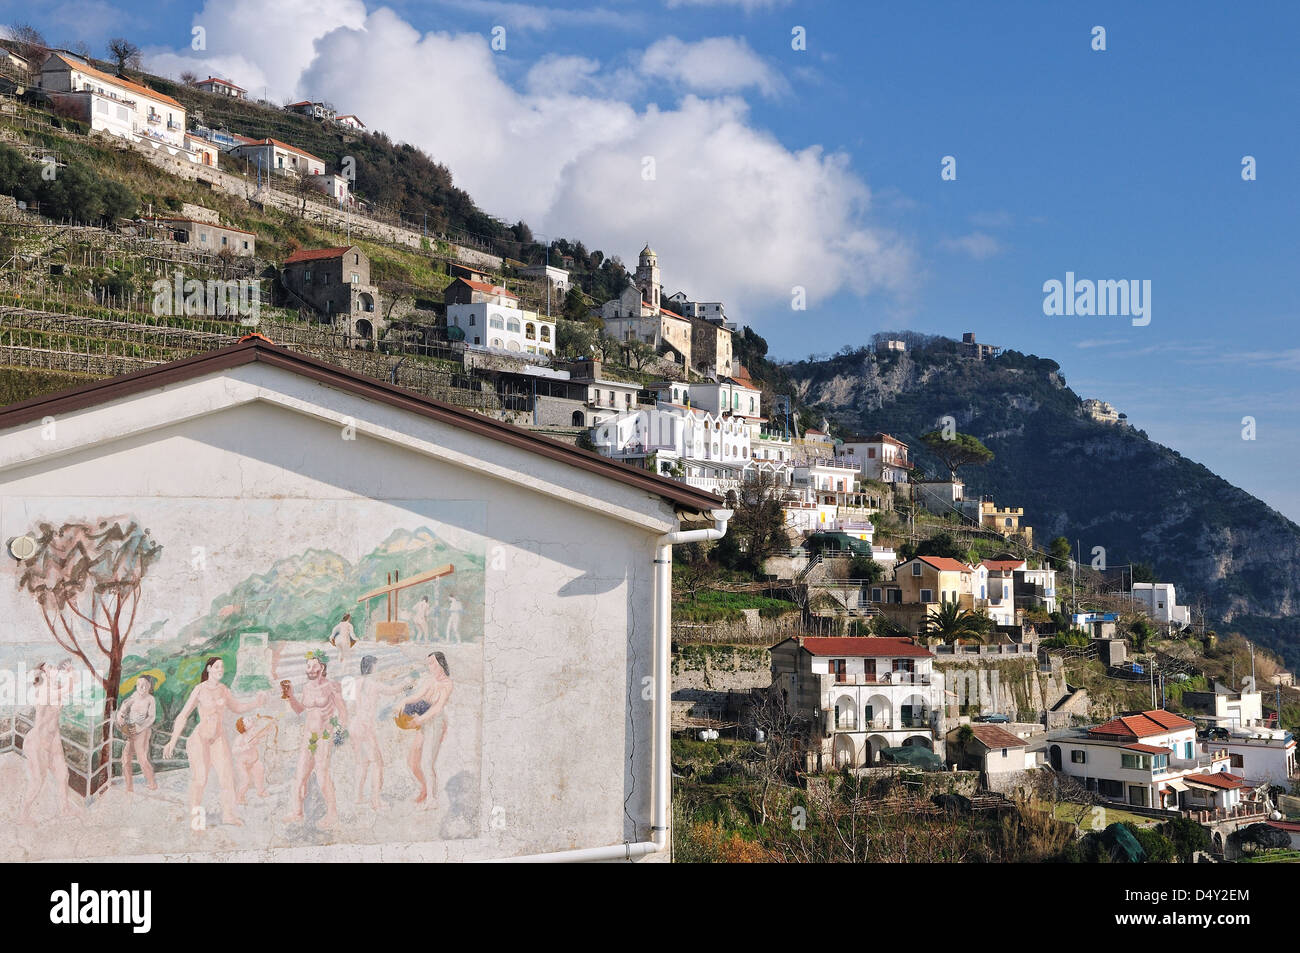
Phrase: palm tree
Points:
(952, 624)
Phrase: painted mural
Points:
(215, 675)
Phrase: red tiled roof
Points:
(283, 145)
(223, 82)
(993, 736)
(1148, 749)
(1002, 565)
(867, 647)
(944, 563)
(488, 289)
(1221, 780)
(315, 254)
(1141, 726)
(305, 102)
(115, 80)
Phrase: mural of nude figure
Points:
(325, 725)
(371, 690)
(206, 746)
(424, 711)
(43, 744)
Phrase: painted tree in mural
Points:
(86, 578)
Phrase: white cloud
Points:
(258, 45)
(734, 214)
(977, 245)
(721, 64)
(526, 16)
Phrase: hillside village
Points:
(870, 635)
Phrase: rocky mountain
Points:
(1101, 484)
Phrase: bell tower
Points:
(647, 277)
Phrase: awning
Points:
(1174, 785)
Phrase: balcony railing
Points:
(894, 679)
(154, 118)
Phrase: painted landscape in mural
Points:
(205, 675)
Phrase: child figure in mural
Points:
(344, 637)
(248, 756)
(454, 610)
(371, 690)
(424, 711)
(135, 719)
(420, 619)
(325, 725)
(206, 746)
(43, 744)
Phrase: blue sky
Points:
(820, 167)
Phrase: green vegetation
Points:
(74, 191)
(714, 606)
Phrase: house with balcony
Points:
(920, 587)
(1035, 588)
(994, 585)
(1260, 755)
(112, 104)
(605, 397)
(1224, 708)
(705, 451)
(880, 457)
(860, 695)
(503, 327)
(315, 110)
(1147, 759)
(272, 155)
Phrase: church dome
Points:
(648, 252)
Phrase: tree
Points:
(188, 77)
(1062, 552)
(953, 624)
(1142, 632)
(124, 53)
(957, 450)
(1186, 836)
(942, 545)
(637, 353)
(757, 527)
(28, 43)
(575, 305)
(90, 574)
(1142, 572)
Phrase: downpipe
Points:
(661, 729)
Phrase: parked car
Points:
(997, 719)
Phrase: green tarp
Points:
(913, 755)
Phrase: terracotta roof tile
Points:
(869, 647)
(316, 254)
(115, 80)
(1221, 780)
(944, 563)
(1143, 725)
(993, 736)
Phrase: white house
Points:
(1146, 759)
(256, 490)
(273, 155)
(1261, 755)
(503, 326)
(861, 695)
(335, 186)
(1035, 587)
(221, 87)
(112, 104)
(350, 120)
(881, 457)
(1159, 600)
(713, 451)
(558, 277)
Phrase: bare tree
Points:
(782, 740)
(124, 53)
(189, 78)
(27, 42)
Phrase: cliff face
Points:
(1100, 484)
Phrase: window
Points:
(495, 321)
(875, 595)
(916, 569)
(356, 259)
(840, 667)
(1135, 762)
(306, 277)
(223, 239)
(1109, 788)
(1004, 752)
(1138, 795)
(471, 324)
(356, 278)
(1236, 760)
(1078, 756)
(1187, 750)
(927, 595)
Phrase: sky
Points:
(778, 153)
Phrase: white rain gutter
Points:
(661, 730)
